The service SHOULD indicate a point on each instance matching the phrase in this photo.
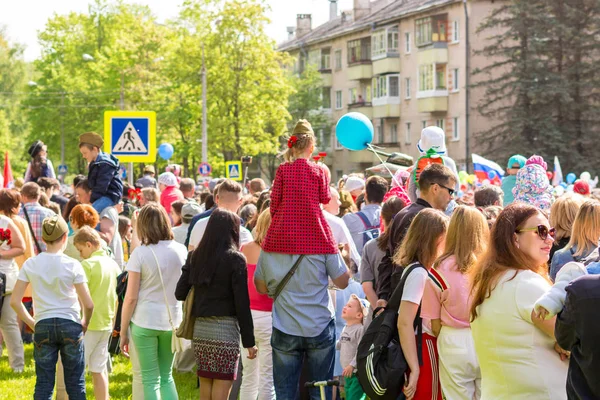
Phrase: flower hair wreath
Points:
(292, 141)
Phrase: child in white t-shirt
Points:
(59, 285)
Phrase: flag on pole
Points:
(558, 176)
(8, 176)
(482, 168)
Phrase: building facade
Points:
(403, 64)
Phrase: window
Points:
(426, 77)
(380, 133)
(456, 131)
(359, 50)
(440, 76)
(394, 130)
(338, 99)
(455, 80)
(384, 41)
(423, 124)
(326, 97)
(431, 29)
(353, 97)
(407, 133)
(407, 88)
(394, 86)
(407, 42)
(392, 40)
(314, 58)
(455, 31)
(326, 58)
(386, 85)
(338, 59)
(440, 123)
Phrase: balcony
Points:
(364, 108)
(433, 55)
(360, 70)
(432, 101)
(387, 65)
(386, 107)
(327, 77)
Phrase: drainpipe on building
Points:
(467, 87)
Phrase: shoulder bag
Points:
(176, 344)
(287, 277)
(186, 329)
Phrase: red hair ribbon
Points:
(292, 141)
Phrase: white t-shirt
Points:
(342, 235)
(116, 245)
(180, 233)
(151, 311)
(200, 227)
(414, 289)
(53, 278)
(8, 266)
(517, 359)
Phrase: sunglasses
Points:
(542, 231)
(451, 191)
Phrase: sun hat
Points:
(53, 228)
(167, 179)
(354, 183)
(432, 137)
(149, 169)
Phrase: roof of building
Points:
(382, 12)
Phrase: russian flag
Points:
(482, 168)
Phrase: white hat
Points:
(354, 183)
(167, 179)
(432, 137)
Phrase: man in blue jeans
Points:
(303, 317)
(58, 285)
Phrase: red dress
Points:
(298, 225)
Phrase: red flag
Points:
(8, 176)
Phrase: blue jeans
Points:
(103, 202)
(288, 353)
(51, 336)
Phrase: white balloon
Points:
(559, 191)
(585, 176)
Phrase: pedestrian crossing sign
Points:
(234, 170)
(130, 135)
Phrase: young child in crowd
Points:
(126, 232)
(300, 187)
(103, 176)
(101, 271)
(354, 313)
(553, 301)
(59, 287)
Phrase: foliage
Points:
(541, 88)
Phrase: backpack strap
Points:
(365, 220)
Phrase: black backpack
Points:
(115, 337)
(380, 362)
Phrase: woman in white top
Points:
(517, 351)
(150, 302)
(9, 324)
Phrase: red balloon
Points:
(549, 174)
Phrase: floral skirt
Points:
(216, 346)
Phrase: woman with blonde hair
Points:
(583, 245)
(150, 308)
(516, 349)
(257, 380)
(446, 303)
(422, 245)
(562, 215)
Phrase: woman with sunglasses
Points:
(583, 245)
(517, 351)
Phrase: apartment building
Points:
(402, 63)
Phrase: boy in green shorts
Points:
(101, 271)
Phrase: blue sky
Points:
(24, 18)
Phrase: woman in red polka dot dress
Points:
(298, 225)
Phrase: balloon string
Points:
(384, 164)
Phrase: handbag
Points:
(287, 277)
(186, 329)
(176, 343)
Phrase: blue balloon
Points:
(354, 131)
(564, 185)
(492, 175)
(165, 151)
(571, 177)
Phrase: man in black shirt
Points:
(436, 186)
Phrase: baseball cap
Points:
(190, 210)
(432, 137)
(364, 305)
(581, 187)
(53, 228)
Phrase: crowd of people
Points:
(499, 285)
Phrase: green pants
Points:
(156, 362)
(353, 389)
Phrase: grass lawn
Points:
(20, 386)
